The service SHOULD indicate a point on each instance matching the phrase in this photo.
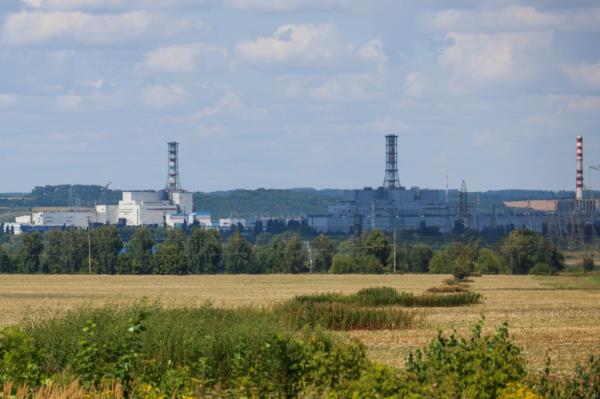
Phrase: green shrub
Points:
(584, 383)
(341, 316)
(239, 352)
(342, 264)
(19, 357)
(542, 269)
(384, 296)
(587, 264)
(376, 296)
(475, 367)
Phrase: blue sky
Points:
(298, 93)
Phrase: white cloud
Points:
(388, 124)
(36, 27)
(297, 46)
(486, 57)
(184, 57)
(32, 27)
(574, 103)
(587, 76)
(230, 108)
(414, 84)
(373, 52)
(162, 96)
(305, 45)
(347, 88)
(93, 83)
(277, 6)
(74, 5)
(514, 18)
(7, 100)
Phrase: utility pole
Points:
(394, 249)
(89, 248)
(310, 257)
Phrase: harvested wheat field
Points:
(555, 316)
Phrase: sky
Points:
(298, 93)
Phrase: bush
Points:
(587, 264)
(342, 264)
(376, 296)
(542, 269)
(342, 316)
(242, 352)
(19, 357)
(584, 383)
(475, 367)
(386, 296)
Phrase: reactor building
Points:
(172, 206)
(393, 206)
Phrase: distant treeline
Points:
(203, 251)
(243, 203)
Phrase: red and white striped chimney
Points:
(579, 186)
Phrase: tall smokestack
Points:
(173, 183)
(579, 178)
(391, 165)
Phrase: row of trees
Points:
(203, 251)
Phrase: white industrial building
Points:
(226, 223)
(145, 208)
(58, 218)
(107, 214)
(203, 219)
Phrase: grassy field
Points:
(558, 316)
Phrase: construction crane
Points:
(103, 192)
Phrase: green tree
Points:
(6, 265)
(74, 250)
(238, 254)
(489, 262)
(343, 264)
(294, 260)
(51, 258)
(170, 256)
(523, 249)
(139, 249)
(369, 264)
(323, 251)
(204, 251)
(441, 262)
(272, 256)
(419, 257)
(28, 254)
(587, 263)
(375, 243)
(106, 245)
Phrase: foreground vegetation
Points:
(147, 351)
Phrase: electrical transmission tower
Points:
(463, 205)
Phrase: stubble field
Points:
(548, 316)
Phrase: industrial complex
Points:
(389, 207)
(394, 207)
(171, 206)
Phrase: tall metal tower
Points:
(173, 183)
(463, 205)
(391, 180)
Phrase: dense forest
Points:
(108, 250)
(240, 203)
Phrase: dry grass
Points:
(559, 315)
